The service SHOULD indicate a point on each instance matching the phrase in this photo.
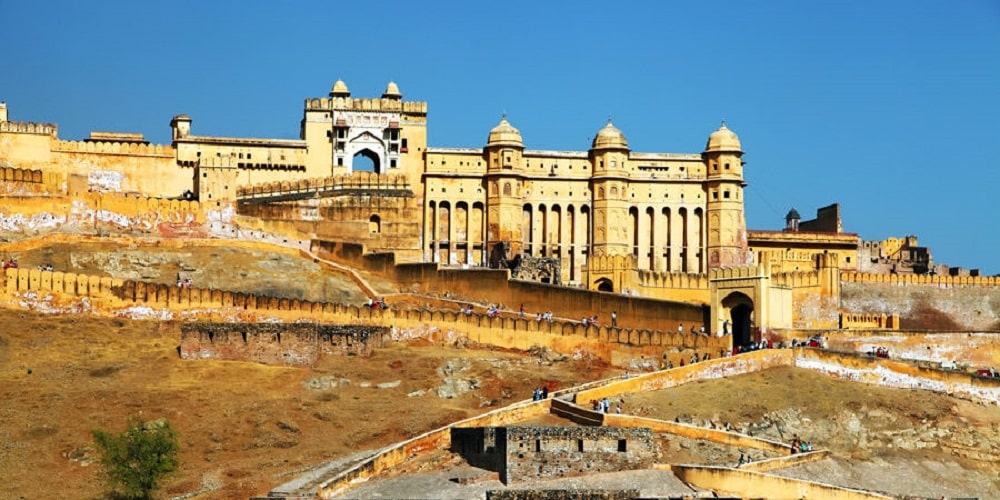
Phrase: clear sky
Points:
(886, 107)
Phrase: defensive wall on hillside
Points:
(290, 344)
(735, 481)
(564, 302)
(944, 303)
(358, 182)
(63, 292)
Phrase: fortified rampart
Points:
(494, 286)
(746, 484)
(68, 292)
(292, 344)
(943, 303)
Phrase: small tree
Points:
(139, 457)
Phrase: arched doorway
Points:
(738, 312)
(366, 161)
(605, 285)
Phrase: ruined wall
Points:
(925, 302)
(541, 453)
(292, 344)
(574, 494)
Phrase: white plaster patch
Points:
(18, 222)
(144, 312)
(224, 214)
(883, 375)
(105, 180)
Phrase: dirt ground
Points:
(244, 427)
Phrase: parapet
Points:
(29, 128)
(114, 148)
(365, 104)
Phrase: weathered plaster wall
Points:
(954, 304)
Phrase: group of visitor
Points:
(694, 329)
(541, 393)
(184, 282)
(800, 446)
(376, 304)
(10, 264)
(879, 352)
(604, 406)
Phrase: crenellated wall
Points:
(24, 182)
(919, 279)
(366, 104)
(494, 286)
(358, 180)
(943, 303)
(870, 321)
(29, 128)
(113, 148)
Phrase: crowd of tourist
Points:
(10, 264)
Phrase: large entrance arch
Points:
(605, 285)
(366, 160)
(738, 311)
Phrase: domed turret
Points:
(723, 140)
(504, 134)
(792, 220)
(340, 89)
(392, 92)
(609, 137)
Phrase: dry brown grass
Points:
(244, 427)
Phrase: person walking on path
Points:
(614, 319)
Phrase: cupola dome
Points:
(609, 137)
(723, 140)
(391, 92)
(340, 89)
(504, 134)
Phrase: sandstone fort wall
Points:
(934, 303)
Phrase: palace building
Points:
(663, 225)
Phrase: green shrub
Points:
(136, 459)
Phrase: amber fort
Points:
(658, 238)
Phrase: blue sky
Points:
(885, 107)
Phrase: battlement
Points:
(14, 174)
(797, 279)
(356, 180)
(114, 148)
(365, 104)
(919, 279)
(739, 272)
(29, 128)
(610, 263)
(667, 279)
(869, 321)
